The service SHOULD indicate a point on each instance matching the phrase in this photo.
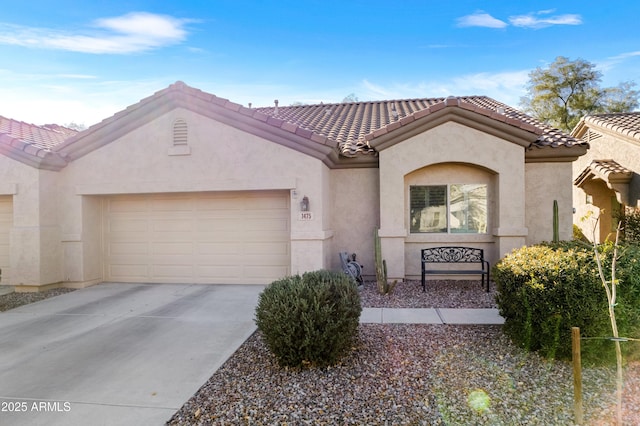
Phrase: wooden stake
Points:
(577, 375)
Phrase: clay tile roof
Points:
(625, 123)
(608, 170)
(607, 167)
(41, 137)
(352, 125)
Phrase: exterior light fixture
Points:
(304, 204)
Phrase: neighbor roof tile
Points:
(625, 123)
(40, 137)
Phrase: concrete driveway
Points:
(118, 354)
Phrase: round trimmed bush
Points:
(309, 320)
(546, 289)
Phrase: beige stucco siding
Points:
(451, 143)
(6, 222)
(546, 182)
(443, 174)
(355, 216)
(35, 233)
(220, 158)
(606, 147)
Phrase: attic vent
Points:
(591, 135)
(179, 132)
(180, 138)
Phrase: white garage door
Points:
(6, 221)
(220, 238)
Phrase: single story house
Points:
(187, 187)
(607, 178)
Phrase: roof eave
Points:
(207, 105)
(550, 154)
(30, 155)
(481, 122)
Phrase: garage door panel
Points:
(267, 203)
(174, 205)
(128, 272)
(262, 260)
(218, 272)
(172, 248)
(128, 248)
(219, 249)
(171, 271)
(172, 225)
(201, 237)
(220, 224)
(266, 249)
(126, 224)
(266, 225)
(127, 205)
(227, 258)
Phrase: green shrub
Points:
(545, 290)
(309, 320)
(631, 220)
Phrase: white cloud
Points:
(480, 19)
(130, 33)
(533, 20)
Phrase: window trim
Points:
(447, 206)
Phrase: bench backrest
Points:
(452, 255)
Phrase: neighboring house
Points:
(606, 179)
(187, 187)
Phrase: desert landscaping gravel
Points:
(14, 300)
(406, 374)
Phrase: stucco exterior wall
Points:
(35, 255)
(450, 143)
(627, 154)
(354, 215)
(221, 158)
(546, 182)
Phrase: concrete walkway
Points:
(430, 316)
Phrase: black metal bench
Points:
(454, 255)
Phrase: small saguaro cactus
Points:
(381, 268)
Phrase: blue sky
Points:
(69, 61)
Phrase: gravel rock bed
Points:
(14, 300)
(410, 374)
(439, 294)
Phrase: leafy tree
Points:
(75, 126)
(350, 98)
(566, 91)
